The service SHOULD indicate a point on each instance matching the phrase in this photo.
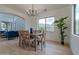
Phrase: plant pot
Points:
(62, 42)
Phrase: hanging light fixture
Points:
(32, 11)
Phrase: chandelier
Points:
(32, 11)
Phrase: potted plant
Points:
(61, 26)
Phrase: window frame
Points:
(74, 21)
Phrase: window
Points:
(3, 26)
(76, 19)
(41, 24)
(46, 24)
(11, 22)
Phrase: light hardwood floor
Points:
(11, 47)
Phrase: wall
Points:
(32, 22)
(58, 13)
(74, 42)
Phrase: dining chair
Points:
(24, 39)
(41, 38)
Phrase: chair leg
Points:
(44, 43)
(35, 44)
(38, 43)
(41, 45)
(23, 44)
(29, 44)
(20, 44)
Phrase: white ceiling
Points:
(40, 7)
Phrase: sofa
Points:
(11, 34)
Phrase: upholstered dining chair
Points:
(24, 39)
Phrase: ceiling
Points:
(40, 7)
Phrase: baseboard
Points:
(57, 42)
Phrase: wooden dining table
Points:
(35, 35)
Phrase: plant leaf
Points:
(65, 28)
